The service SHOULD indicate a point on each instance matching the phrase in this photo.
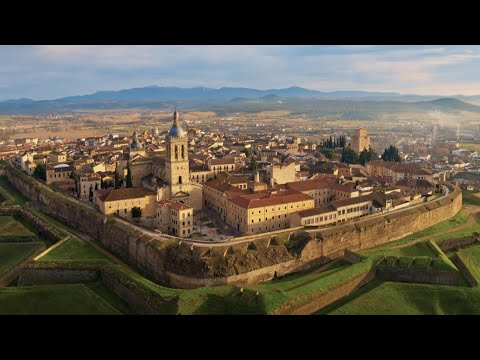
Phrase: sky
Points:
(43, 72)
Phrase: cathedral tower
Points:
(176, 162)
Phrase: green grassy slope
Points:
(11, 254)
(74, 249)
(71, 299)
(388, 298)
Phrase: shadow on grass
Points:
(235, 303)
(353, 295)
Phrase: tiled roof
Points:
(111, 194)
(411, 168)
(350, 187)
(263, 199)
(91, 176)
(334, 206)
(308, 185)
(317, 211)
(174, 205)
(223, 161)
(415, 183)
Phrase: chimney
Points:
(272, 182)
(257, 176)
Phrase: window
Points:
(179, 179)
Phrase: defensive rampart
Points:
(188, 265)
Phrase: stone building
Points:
(58, 156)
(265, 211)
(58, 172)
(360, 140)
(169, 173)
(399, 171)
(87, 182)
(175, 218)
(336, 212)
(122, 201)
(280, 174)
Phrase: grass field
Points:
(67, 299)
(471, 258)
(470, 198)
(11, 194)
(420, 249)
(388, 298)
(74, 249)
(11, 254)
(10, 227)
(109, 297)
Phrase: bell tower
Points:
(176, 162)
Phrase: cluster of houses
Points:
(251, 183)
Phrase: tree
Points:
(117, 180)
(136, 212)
(253, 162)
(245, 151)
(330, 154)
(39, 172)
(391, 154)
(349, 156)
(129, 176)
(367, 155)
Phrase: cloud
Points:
(50, 71)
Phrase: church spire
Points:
(176, 130)
(176, 118)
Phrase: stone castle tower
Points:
(176, 162)
(360, 140)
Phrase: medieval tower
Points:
(176, 162)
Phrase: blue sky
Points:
(53, 71)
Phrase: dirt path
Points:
(472, 210)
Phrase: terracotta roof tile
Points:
(111, 194)
(174, 205)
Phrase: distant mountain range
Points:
(155, 97)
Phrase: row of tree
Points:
(334, 142)
(391, 154)
(349, 156)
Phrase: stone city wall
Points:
(189, 266)
(40, 225)
(140, 298)
(455, 244)
(419, 276)
(460, 264)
